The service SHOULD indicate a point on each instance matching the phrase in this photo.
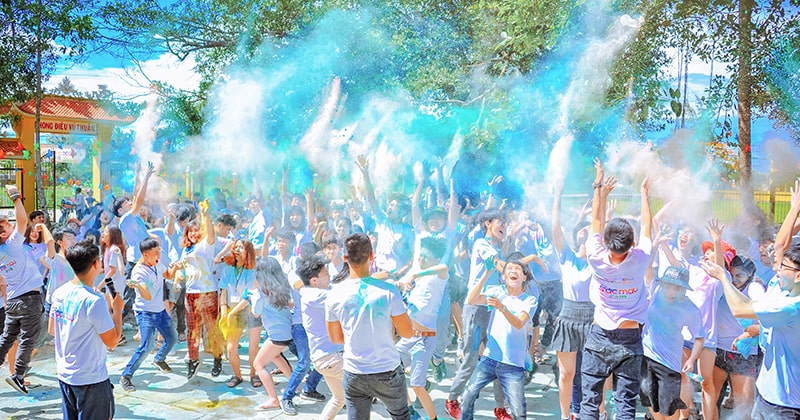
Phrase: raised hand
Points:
(715, 229)
(712, 269)
(362, 163)
(599, 173)
(608, 185)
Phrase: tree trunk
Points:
(743, 91)
(37, 158)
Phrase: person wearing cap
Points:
(425, 287)
(617, 289)
(326, 356)
(778, 380)
(738, 353)
(668, 312)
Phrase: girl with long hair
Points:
(270, 299)
(237, 275)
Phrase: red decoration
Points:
(70, 182)
(2, 154)
(19, 147)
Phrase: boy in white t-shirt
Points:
(83, 329)
(426, 288)
(617, 289)
(505, 354)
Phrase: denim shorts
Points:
(736, 364)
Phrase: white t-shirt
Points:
(60, 273)
(134, 231)
(505, 343)
(730, 327)
(483, 255)
(113, 258)
(576, 276)
(79, 316)
(395, 246)
(153, 278)
(705, 294)
(661, 336)
(779, 377)
(313, 310)
(425, 299)
(197, 272)
(235, 281)
(20, 270)
(617, 291)
(365, 307)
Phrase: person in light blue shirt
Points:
(504, 358)
(779, 314)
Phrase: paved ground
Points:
(169, 396)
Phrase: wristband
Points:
(596, 185)
(14, 197)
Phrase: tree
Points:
(37, 35)
(66, 88)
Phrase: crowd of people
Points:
(369, 298)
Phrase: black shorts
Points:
(285, 343)
(660, 388)
(736, 364)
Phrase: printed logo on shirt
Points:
(611, 293)
(8, 266)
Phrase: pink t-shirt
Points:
(617, 291)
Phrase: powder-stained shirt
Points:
(60, 273)
(661, 336)
(364, 308)
(504, 343)
(20, 270)
(576, 276)
(618, 291)
(153, 278)
(779, 378)
(79, 316)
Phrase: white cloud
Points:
(131, 81)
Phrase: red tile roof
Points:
(65, 107)
(11, 149)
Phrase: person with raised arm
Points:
(23, 298)
(778, 380)
(617, 289)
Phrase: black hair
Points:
(34, 214)
(58, 235)
(359, 247)
(342, 274)
(227, 220)
(436, 246)
(516, 258)
(148, 244)
(307, 250)
(310, 267)
(287, 236)
(618, 236)
(793, 254)
(118, 202)
(489, 215)
(578, 227)
(82, 255)
(330, 241)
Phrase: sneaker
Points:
(181, 337)
(191, 368)
(453, 408)
(217, 369)
(413, 414)
(439, 370)
(162, 366)
(122, 341)
(288, 407)
(312, 396)
(126, 384)
(18, 383)
(502, 414)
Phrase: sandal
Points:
(255, 381)
(233, 381)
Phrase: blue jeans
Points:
(607, 352)
(301, 350)
(94, 401)
(149, 323)
(389, 387)
(512, 380)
